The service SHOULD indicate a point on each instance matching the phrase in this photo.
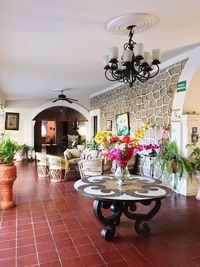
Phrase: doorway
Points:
(54, 128)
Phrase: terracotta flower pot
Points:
(174, 165)
(8, 175)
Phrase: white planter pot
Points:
(198, 187)
(93, 154)
(18, 156)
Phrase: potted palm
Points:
(8, 148)
(173, 163)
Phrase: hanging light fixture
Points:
(134, 63)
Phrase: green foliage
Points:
(8, 148)
(195, 157)
(92, 144)
(169, 153)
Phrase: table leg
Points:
(141, 227)
(111, 221)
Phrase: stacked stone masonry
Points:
(149, 102)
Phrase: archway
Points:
(190, 75)
(29, 124)
(185, 103)
(58, 128)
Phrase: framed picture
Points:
(109, 125)
(122, 124)
(12, 121)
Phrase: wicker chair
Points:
(42, 165)
(107, 166)
(90, 167)
(58, 168)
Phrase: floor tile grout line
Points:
(116, 249)
(94, 245)
(139, 255)
(69, 231)
(2, 214)
(51, 232)
(73, 210)
(32, 222)
(72, 238)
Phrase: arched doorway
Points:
(29, 123)
(57, 128)
(186, 108)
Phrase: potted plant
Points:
(172, 162)
(91, 149)
(195, 162)
(8, 148)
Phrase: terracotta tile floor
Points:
(53, 226)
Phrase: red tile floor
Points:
(53, 225)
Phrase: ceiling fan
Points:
(62, 97)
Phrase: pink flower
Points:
(123, 148)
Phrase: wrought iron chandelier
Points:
(134, 64)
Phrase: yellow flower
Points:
(139, 134)
(103, 136)
(144, 126)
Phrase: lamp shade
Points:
(113, 52)
(105, 60)
(138, 49)
(127, 55)
(156, 54)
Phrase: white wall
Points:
(192, 97)
(185, 114)
(25, 134)
(188, 74)
(20, 135)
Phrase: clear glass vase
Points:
(121, 174)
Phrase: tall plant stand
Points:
(7, 178)
(198, 188)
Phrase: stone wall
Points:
(149, 102)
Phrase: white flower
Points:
(122, 146)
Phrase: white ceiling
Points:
(47, 44)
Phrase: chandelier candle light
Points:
(135, 64)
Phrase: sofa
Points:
(73, 155)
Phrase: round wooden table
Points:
(107, 194)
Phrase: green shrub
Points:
(8, 148)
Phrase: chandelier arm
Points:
(156, 71)
(120, 77)
(130, 77)
(144, 74)
(117, 75)
(142, 79)
(112, 75)
(108, 73)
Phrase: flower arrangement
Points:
(122, 148)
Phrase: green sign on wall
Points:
(181, 86)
